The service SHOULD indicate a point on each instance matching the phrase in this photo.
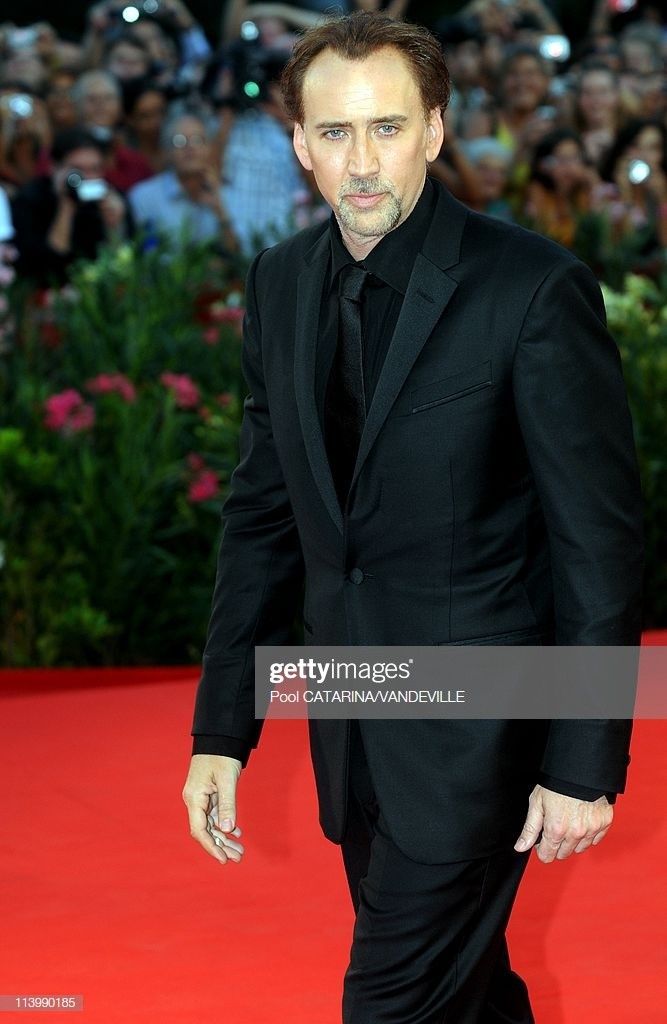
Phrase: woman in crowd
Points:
(599, 110)
(145, 106)
(560, 186)
(636, 168)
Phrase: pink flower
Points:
(67, 412)
(185, 391)
(211, 336)
(82, 418)
(204, 486)
(107, 383)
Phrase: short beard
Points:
(371, 223)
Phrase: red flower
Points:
(195, 462)
(227, 314)
(232, 315)
(51, 335)
(184, 389)
(106, 383)
(225, 398)
(204, 486)
(68, 413)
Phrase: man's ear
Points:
(435, 135)
(301, 147)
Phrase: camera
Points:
(19, 105)
(252, 68)
(621, 6)
(555, 48)
(638, 172)
(85, 190)
(133, 12)
(22, 38)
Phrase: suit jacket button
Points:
(356, 576)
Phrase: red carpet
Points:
(105, 895)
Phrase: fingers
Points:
(571, 826)
(224, 842)
(210, 797)
(532, 825)
(549, 848)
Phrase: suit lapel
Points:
(309, 295)
(429, 291)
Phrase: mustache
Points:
(365, 187)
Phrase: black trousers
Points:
(429, 939)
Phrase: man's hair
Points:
(71, 139)
(356, 37)
(88, 78)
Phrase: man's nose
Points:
(363, 160)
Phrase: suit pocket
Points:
(531, 637)
(449, 388)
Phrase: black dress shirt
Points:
(389, 264)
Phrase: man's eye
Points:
(387, 129)
(334, 133)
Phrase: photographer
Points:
(68, 214)
(265, 187)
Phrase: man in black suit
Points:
(470, 478)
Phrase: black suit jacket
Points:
(495, 500)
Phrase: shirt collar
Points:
(393, 258)
(172, 185)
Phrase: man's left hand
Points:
(567, 825)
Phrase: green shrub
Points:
(121, 398)
(637, 318)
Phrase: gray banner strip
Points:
(459, 682)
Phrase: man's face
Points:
(189, 151)
(101, 105)
(366, 139)
(127, 61)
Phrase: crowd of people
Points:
(145, 127)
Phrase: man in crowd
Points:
(185, 202)
(437, 443)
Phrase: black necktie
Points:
(345, 407)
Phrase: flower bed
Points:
(121, 398)
(120, 403)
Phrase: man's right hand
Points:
(210, 791)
